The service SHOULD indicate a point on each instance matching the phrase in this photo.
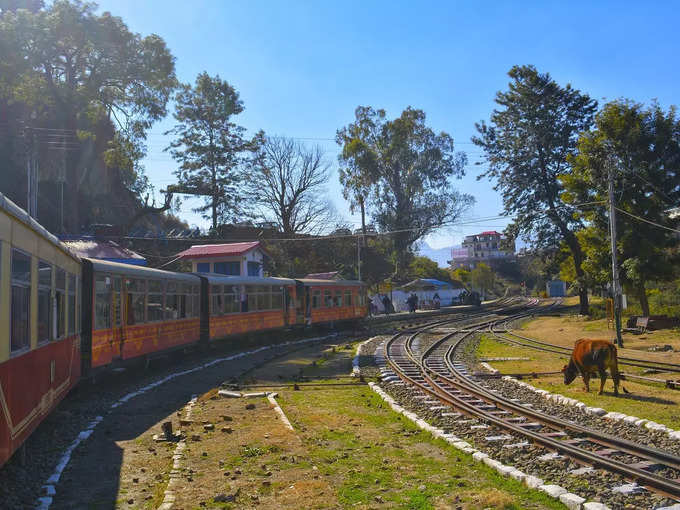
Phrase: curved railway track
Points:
(436, 371)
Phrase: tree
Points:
(482, 277)
(405, 169)
(287, 186)
(91, 86)
(526, 145)
(641, 146)
(210, 147)
(424, 267)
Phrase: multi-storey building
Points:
(488, 247)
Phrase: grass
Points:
(653, 402)
(348, 450)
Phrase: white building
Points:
(233, 259)
(487, 247)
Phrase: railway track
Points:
(436, 371)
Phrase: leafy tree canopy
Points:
(642, 147)
(404, 168)
(424, 267)
(527, 142)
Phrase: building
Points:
(489, 247)
(233, 259)
(556, 288)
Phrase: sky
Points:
(302, 67)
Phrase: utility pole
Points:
(359, 257)
(31, 174)
(616, 286)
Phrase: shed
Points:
(233, 259)
(103, 249)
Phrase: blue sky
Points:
(302, 67)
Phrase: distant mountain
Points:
(440, 255)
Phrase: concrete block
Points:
(533, 482)
(572, 501)
(554, 491)
(479, 456)
(517, 475)
(592, 505)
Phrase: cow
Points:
(590, 355)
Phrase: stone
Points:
(572, 501)
(250, 406)
(554, 491)
(533, 482)
(592, 505)
(224, 498)
(628, 489)
(227, 418)
(227, 430)
(208, 426)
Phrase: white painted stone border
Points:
(572, 501)
(44, 502)
(272, 400)
(169, 494)
(356, 370)
(598, 411)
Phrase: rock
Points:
(421, 488)
(130, 501)
(135, 480)
(227, 418)
(224, 498)
(195, 437)
(250, 406)
(379, 499)
(208, 426)
(227, 430)
(572, 501)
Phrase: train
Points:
(64, 318)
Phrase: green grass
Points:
(376, 456)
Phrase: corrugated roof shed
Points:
(104, 250)
(219, 250)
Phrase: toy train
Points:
(63, 317)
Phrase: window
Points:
(44, 301)
(264, 297)
(60, 302)
(196, 297)
(277, 298)
(232, 299)
(71, 304)
(20, 312)
(216, 307)
(203, 267)
(327, 299)
(228, 268)
(154, 301)
(253, 269)
(348, 297)
(116, 302)
(183, 301)
(316, 299)
(172, 300)
(337, 298)
(136, 301)
(102, 302)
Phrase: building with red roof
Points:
(233, 259)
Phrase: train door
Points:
(300, 303)
(117, 315)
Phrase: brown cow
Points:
(588, 355)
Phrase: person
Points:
(436, 300)
(387, 304)
(412, 300)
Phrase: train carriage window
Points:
(264, 297)
(316, 299)
(196, 308)
(102, 302)
(216, 300)
(327, 298)
(20, 312)
(60, 303)
(232, 299)
(136, 301)
(337, 298)
(44, 301)
(71, 304)
(183, 301)
(348, 297)
(277, 298)
(116, 302)
(154, 301)
(171, 301)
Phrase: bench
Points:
(641, 324)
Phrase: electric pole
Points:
(616, 286)
(359, 239)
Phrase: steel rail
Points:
(433, 387)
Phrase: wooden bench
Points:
(641, 324)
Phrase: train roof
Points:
(106, 266)
(215, 278)
(14, 210)
(329, 283)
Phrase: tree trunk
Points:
(577, 256)
(363, 215)
(642, 296)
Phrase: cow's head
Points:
(570, 372)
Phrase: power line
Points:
(639, 218)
